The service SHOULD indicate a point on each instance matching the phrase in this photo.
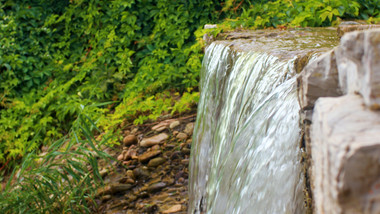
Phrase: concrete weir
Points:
(337, 82)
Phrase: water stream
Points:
(245, 153)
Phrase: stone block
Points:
(358, 62)
(319, 79)
(346, 156)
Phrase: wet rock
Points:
(149, 155)
(173, 209)
(158, 139)
(156, 187)
(156, 162)
(113, 188)
(174, 124)
(181, 136)
(319, 79)
(345, 149)
(129, 140)
(189, 128)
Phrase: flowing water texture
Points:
(246, 156)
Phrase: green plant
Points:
(62, 180)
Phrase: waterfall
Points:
(245, 154)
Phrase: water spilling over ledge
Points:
(246, 147)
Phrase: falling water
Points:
(245, 156)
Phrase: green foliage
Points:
(57, 57)
(62, 180)
(302, 13)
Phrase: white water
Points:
(245, 154)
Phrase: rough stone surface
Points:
(358, 59)
(319, 79)
(349, 61)
(346, 156)
(157, 139)
(347, 27)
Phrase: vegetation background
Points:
(72, 69)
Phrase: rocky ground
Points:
(151, 171)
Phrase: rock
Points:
(189, 128)
(158, 139)
(349, 56)
(346, 156)
(156, 187)
(129, 140)
(141, 172)
(155, 147)
(181, 136)
(371, 61)
(358, 65)
(113, 188)
(130, 174)
(174, 124)
(156, 162)
(319, 79)
(173, 209)
(186, 151)
(346, 27)
(185, 162)
(162, 125)
(149, 155)
(175, 155)
(120, 157)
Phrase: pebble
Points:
(189, 128)
(174, 124)
(148, 155)
(129, 140)
(113, 188)
(181, 136)
(156, 162)
(141, 173)
(134, 131)
(106, 198)
(173, 209)
(156, 187)
(157, 139)
(185, 161)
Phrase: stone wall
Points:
(339, 93)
